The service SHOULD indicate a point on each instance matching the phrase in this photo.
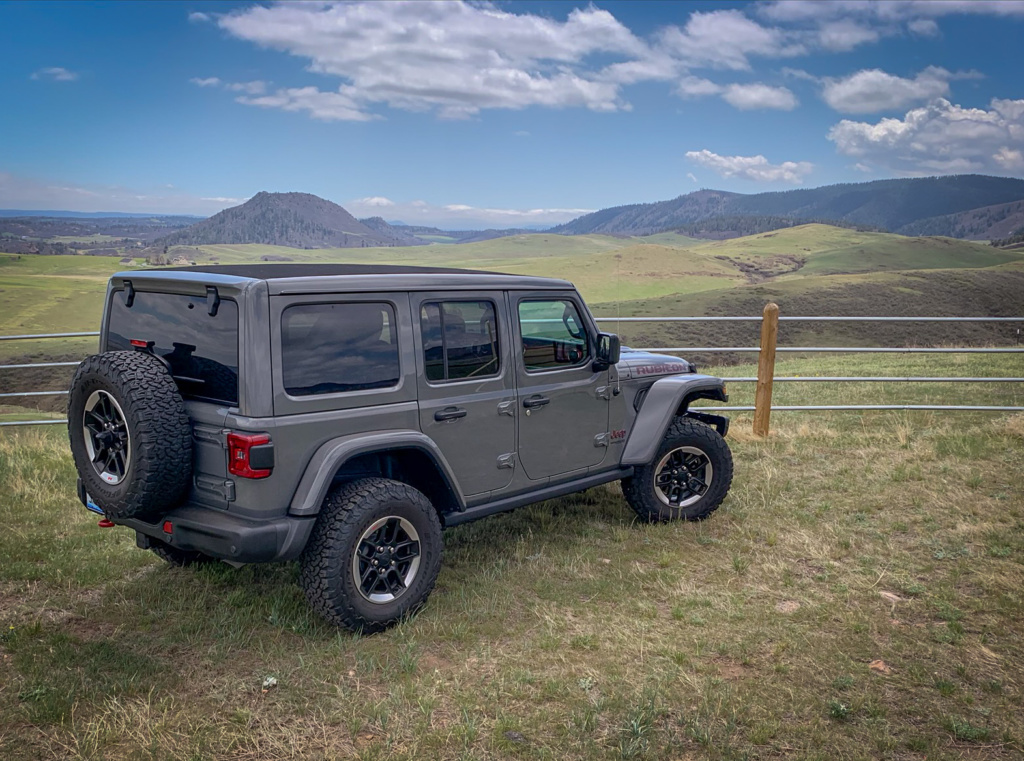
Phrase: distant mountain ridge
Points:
(295, 220)
(461, 236)
(914, 206)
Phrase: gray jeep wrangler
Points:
(343, 415)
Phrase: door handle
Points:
(449, 413)
(535, 401)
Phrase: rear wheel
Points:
(688, 478)
(374, 554)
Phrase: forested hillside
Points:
(912, 206)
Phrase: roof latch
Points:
(129, 294)
(212, 300)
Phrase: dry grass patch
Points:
(563, 630)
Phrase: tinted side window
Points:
(201, 348)
(553, 334)
(460, 339)
(331, 348)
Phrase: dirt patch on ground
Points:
(765, 268)
(730, 670)
(30, 602)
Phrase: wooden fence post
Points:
(766, 369)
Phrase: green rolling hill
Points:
(810, 270)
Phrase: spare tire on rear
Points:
(130, 434)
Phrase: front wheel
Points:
(687, 479)
(374, 554)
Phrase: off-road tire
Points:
(327, 575)
(178, 557)
(639, 489)
(159, 469)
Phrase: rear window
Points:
(332, 348)
(201, 348)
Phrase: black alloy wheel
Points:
(387, 559)
(683, 476)
(107, 440)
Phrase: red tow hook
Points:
(105, 523)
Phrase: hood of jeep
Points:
(634, 363)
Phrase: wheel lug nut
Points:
(381, 571)
(392, 562)
(376, 563)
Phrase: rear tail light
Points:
(250, 455)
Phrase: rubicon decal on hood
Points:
(642, 364)
(664, 368)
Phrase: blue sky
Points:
(499, 114)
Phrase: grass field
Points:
(566, 630)
(810, 270)
(62, 293)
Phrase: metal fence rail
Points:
(784, 318)
(844, 349)
(47, 335)
(763, 380)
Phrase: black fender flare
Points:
(666, 399)
(332, 455)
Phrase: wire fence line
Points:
(764, 379)
(801, 318)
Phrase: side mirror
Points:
(608, 349)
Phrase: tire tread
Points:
(639, 493)
(161, 470)
(324, 562)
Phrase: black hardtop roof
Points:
(303, 277)
(277, 271)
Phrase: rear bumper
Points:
(225, 536)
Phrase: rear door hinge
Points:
(604, 392)
(602, 439)
(507, 461)
(507, 407)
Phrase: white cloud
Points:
(56, 74)
(726, 39)
(377, 201)
(745, 97)
(325, 106)
(924, 27)
(872, 90)
(799, 74)
(17, 192)
(197, 17)
(755, 168)
(1012, 160)
(460, 216)
(256, 87)
(843, 35)
(841, 25)
(809, 10)
(453, 58)
(695, 87)
(753, 96)
(691, 177)
(939, 138)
